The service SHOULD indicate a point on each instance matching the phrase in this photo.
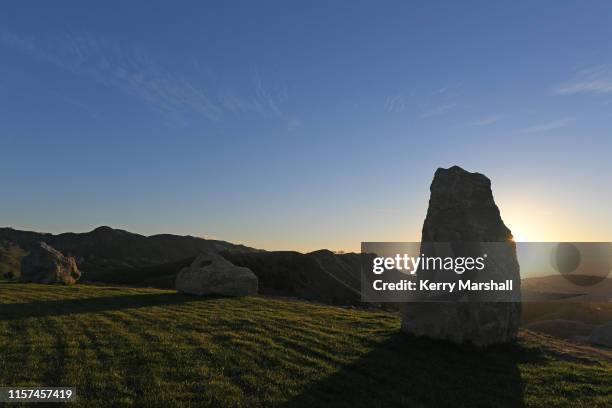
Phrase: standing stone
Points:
(45, 264)
(211, 274)
(463, 221)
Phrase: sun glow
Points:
(520, 236)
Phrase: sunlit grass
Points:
(154, 347)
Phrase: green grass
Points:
(151, 347)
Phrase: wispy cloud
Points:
(440, 101)
(432, 103)
(266, 100)
(132, 71)
(395, 104)
(77, 104)
(486, 121)
(596, 80)
(292, 122)
(438, 110)
(545, 127)
(129, 70)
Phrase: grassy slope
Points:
(565, 320)
(156, 347)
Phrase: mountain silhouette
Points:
(114, 256)
(107, 248)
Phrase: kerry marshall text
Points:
(448, 287)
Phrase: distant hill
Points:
(107, 255)
(575, 288)
(320, 276)
(566, 308)
(105, 248)
(10, 260)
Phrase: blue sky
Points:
(303, 125)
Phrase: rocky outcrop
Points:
(464, 221)
(319, 276)
(211, 274)
(45, 264)
(602, 335)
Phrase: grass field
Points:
(120, 345)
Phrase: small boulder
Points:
(45, 264)
(211, 274)
(602, 335)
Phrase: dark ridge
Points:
(106, 249)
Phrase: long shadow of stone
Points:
(412, 372)
(44, 308)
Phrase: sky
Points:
(303, 125)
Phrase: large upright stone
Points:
(45, 264)
(212, 274)
(463, 221)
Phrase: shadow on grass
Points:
(415, 372)
(63, 307)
